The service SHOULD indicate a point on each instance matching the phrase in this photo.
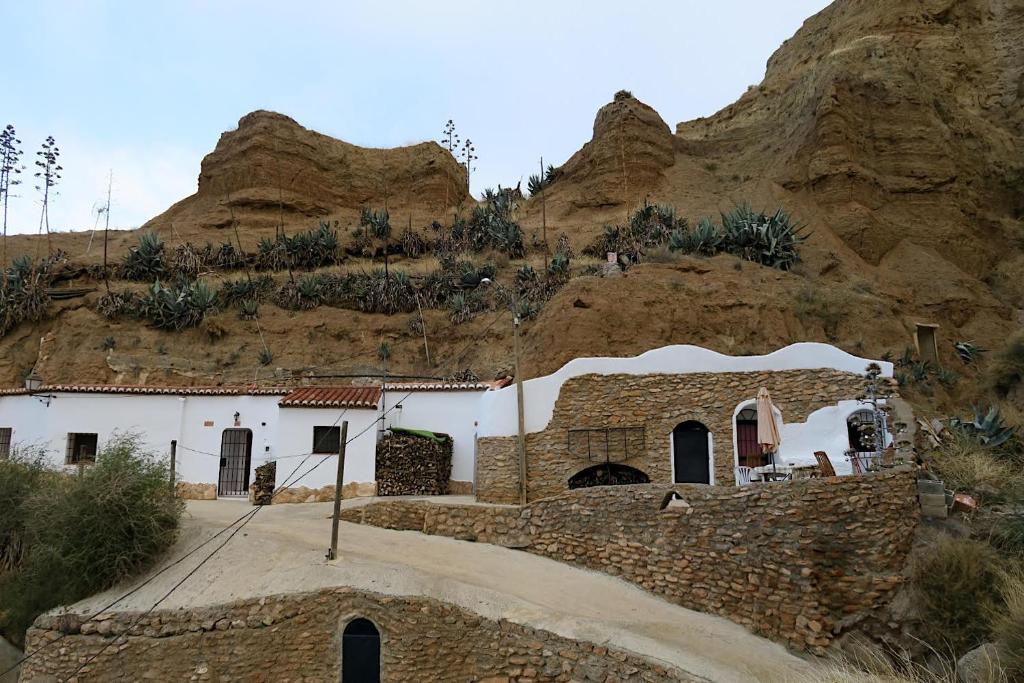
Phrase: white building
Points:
(224, 433)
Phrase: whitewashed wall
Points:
(451, 412)
(295, 436)
(498, 408)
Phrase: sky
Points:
(143, 90)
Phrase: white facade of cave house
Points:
(217, 426)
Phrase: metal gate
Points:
(235, 455)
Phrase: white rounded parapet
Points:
(498, 408)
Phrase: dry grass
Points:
(871, 666)
(1008, 627)
(956, 586)
(966, 466)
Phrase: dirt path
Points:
(282, 550)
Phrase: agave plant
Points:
(257, 288)
(986, 427)
(266, 357)
(968, 351)
(113, 305)
(755, 236)
(178, 306)
(23, 294)
(248, 310)
(272, 254)
(147, 260)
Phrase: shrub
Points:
(257, 289)
(491, 226)
(113, 305)
(22, 473)
(650, 226)
(266, 357)
(147, 260)
(1008, 627)
(188, 261)
(1007, 371)
(178, 306)
(310, 249)
(956, 582)
(23, 293)
(85, 534)
(413, 244)
(303, 294)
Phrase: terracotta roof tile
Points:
(151, 390)
(441, 386)
(332, 397)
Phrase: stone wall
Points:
(412, 465)
(800, 562)
(657, 403)
(298, 638)
(190, 491)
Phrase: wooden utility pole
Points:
(174, 452)
(522, 421)
(544, 209)
(333, 553)
(106, 230)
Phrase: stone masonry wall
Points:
(298, 638)
(799, 562)
(658, 403)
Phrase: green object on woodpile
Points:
(423, 433)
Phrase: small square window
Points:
(5, 443)
(81, 448)
(326, 439)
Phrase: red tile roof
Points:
(442, 386)
(332, 397)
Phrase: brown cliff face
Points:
(272, 170)
(626, 157)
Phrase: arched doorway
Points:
(360, 652)
(691, 463)
(608, 474)
(860, 427)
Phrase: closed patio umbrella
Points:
(767, 430)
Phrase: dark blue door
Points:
(360, 652)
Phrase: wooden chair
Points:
(742, 475)
(825, 468)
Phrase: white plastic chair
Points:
(742, 475)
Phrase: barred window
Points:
(5, 443)
(81, 448)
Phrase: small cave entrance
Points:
(607, 474)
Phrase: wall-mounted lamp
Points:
(33, 383)
(238, 416)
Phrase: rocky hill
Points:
(893, 131)
(271, 171)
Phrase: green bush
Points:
(492, 226)
(965, 465)
(956, 584)
(21, 474)
(650, 226)
(311, 249)
(84, 534)
(147, 261)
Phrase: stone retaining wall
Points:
(799, 562)
(298, 638)
(658, 403)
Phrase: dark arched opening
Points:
(608, 474)
(748, 451)
(360, 652)
(690, 460)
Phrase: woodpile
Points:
(263, 487)
(414, 464)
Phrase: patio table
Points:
(783, 471)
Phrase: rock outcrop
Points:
(626, 157)
(270, 170)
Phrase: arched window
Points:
(860, 428)
(748, 450)
(360, 652)
(609, 474)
